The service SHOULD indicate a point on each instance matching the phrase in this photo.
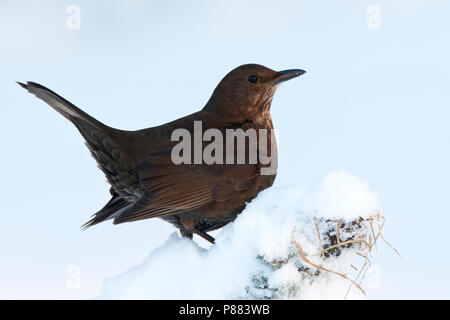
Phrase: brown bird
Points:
(145, 181)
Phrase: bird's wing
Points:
(172, 189)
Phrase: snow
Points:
(342, 195)
(254, 257)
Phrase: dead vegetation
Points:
(335, 240)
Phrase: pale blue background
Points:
(374, 102)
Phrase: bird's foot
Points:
(188, 228)
(204, 235)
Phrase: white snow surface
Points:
(254, 256)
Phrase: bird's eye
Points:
(253, 79)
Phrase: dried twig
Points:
(318, 236)
(338, 228)
(343, 243)
(380, 228)
(372, 241)
(356, 279)
(374, 237)
(300, 252)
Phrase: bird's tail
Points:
(109, 211)
(101, 140)
(64, 107)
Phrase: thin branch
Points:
(356, 279)
(343, 243)
(373, 232)
(381, 234)
(338, 228)
(300, 252)
(318, 236)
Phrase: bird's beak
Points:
(287, 75)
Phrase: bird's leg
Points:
(204, 235)
(185, 233)
(188, 227)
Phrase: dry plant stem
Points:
(364, 274)
(300, 252)
(373, 237)
(344, 243)
(337, 230)
(365, 257)
(373, 232)
(363, 271)
(318, 236)
(381, 234)
(378, 234)
(356, 279)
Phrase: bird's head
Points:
(247, 91)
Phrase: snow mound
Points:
(271, 251)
